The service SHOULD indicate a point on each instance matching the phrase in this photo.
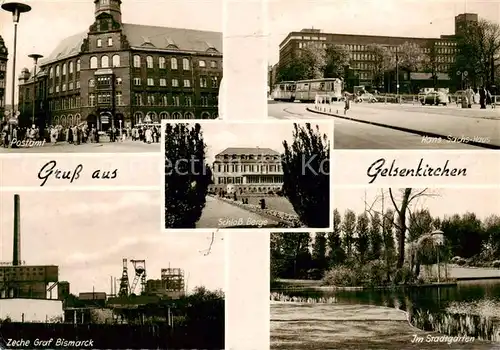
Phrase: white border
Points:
(224, 123)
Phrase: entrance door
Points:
(105, 121)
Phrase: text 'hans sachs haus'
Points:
(379, 168)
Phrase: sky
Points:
(218, 137)
(50, 21)
(444, 202)
(423, 18)
(87, 234)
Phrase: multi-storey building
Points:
(442, 48)
(125, 74)
(171, 284)
(247, 170)
(3, 76)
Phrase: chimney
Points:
(16, 258)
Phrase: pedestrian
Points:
(346, 102)
(482, 97)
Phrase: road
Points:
(219, 214)
(105, 147)
(355, 135)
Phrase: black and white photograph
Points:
(99, 76)
(92, 270)
(403, 268)
(263, 174)
(392, 74)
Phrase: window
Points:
(187, 83)
(70, 67)
(63, 87)
(104, 2)
(151, 100)
(91, 83)
(91, 100)
(161, 62)
(137, 61)
(71, 86)
(77, 84)
(104, 62)
(188, 101)
(213, 64)
(215, 82)
(110, 41)
(163, 115)
(185, 64)
(64, 69)
(118, 99)
(78, 65)
(175, 100)
(151, 82)
(203, 82)
(137, 81)
(51, 72)
(104, 98)
(57, 88)
(149, 62)
(99, 43)
(175, 82)
(138, 99)
(57, 71)
(163, 82)
(173, 63)
(204, 101)
(93, 62)
(202, 64)
(116, 60)
(164, 101)
(118, 81)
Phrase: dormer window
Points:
(104, 2)
(99, 43)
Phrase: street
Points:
(127, 146)
(219, 214)
(449, 120)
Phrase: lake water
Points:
(469, 308)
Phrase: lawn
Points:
(275, 203)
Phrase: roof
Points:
(147, 37)
(248, 150)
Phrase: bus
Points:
(284, 91)
(306, 90)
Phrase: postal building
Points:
(3, 76)
(247, 171)
(124, 74)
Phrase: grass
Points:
(275, 203)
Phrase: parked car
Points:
(435, 98)
(366, 97)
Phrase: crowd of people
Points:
(481, 95)
(77, 134)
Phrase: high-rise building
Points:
(124, 74)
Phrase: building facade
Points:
(25, 281)
(125, 74)
(442, 48)
(247, 170)
(170, 285)
(3, 77)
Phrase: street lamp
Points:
(462, 75)
(16, 8)
(35, 57)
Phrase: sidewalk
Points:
(341, 326)
(449, 124)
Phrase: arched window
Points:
(116, 61)
(176, 115)
(78, 119)
(78, 65)
(91, 82)
(104, 62)
(70, 67)
(58, 70)
(51, 72)
(161, 62)
(149, 62)
(70, 120)
(189, 115)
(205, 115)
(93, 62)
(185, 64)
(137, 61)
(164, 115)
(138, 117)
(173, 63)
(64, 69)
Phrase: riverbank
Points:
(336, 326)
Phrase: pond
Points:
(470, 308)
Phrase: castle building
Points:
(443, 49)
(124, 74)
(3, 77)
(247, 170)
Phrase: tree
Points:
(319, 251)
(336, 59)
(348, 229)
(382, 61)
(306, 175)
(420, 223)
(431, 62)
(314, 56)
(293, 71)
(336, 253)
(363, 238)
(492, 231)
(290, 255)
(465, 234)
(186, 175)
(411, 57)
(376, 240)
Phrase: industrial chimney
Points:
(16, 258)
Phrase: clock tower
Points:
(110, 7)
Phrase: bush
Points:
(404, 275)
(495, 263)
(342, 276)
(375, 272)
